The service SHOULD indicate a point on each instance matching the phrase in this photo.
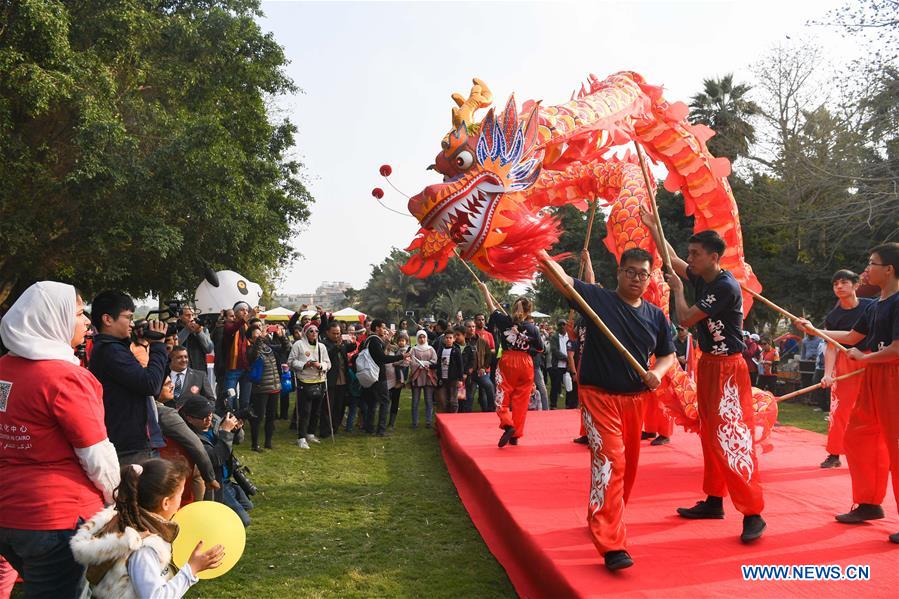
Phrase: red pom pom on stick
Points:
(377, 192)
(386, 170)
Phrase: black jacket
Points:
(271, 367)
(337, 353)
(375, 347)
(455, 371)
(126, 387)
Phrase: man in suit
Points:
(186, 380)
(557, 361)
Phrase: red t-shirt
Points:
(47, 408)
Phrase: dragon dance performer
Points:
(613, 394)
(872, 434)
(723, 387)
(515, 372)
(843, 393)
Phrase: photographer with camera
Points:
(310, 360)
(267, 387)
(234, 345)
(218, 436)
(128, 388)
(193, 336)
(140, 347)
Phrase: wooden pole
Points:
(570, 292)
(478, 280)
(587, 236)
(793, 317)
(666, 257)
(804, 390)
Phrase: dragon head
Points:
(483, 167)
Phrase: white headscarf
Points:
(39, 325)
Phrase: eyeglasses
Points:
(875, 263)
(642, 275)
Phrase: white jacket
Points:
(302, 353)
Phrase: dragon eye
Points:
(464, 160)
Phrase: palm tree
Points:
(453, 300)
(724, 107)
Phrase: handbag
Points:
(256, 369)
(314, 391)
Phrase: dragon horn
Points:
(480, 96)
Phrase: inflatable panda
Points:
(221, 290)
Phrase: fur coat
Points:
(105, 551)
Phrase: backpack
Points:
(367, 370)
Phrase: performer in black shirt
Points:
(843, 393)
(872, 435)
(612, 393)
(515, 371)
(723, 388)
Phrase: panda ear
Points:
(211, 276)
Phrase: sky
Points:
(376, 79)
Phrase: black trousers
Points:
(555, 385)
(309, 406)
(264, 406)
(394, 404)
(571, 397)
(376, 398)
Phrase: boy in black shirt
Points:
(613, 394)
(723, 387)
(843, 393)
(872, 435)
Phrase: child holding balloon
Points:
(127, 546)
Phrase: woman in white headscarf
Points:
(58, 465)
(423, 377)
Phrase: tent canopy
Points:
(348, 315)
(278, 313)
(536, 314)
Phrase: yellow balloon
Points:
(213, 523)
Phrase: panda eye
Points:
(464, 160)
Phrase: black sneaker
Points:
(506, 436)
(644, 436)
(703, 510)
(513, 441)
(582, 440)
(618, 560)
(861, 513)
(894, 538)
(660, 440)
(257, 449)
(832, 461)
(753, 527)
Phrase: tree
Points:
(136, 146)
(724, 107)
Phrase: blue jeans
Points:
(44, 561)
(485, 393)
(429, 404)
(237, 500)
(239, 380)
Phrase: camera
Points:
(240, 477)
(143, 330)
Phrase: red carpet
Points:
(529, 503)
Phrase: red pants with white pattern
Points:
(655, 420)
(514, 381)
(613, 423)
(872, 435)
(842, 399)
(726, 423)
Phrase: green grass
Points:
(798, 414)
(362, 517)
